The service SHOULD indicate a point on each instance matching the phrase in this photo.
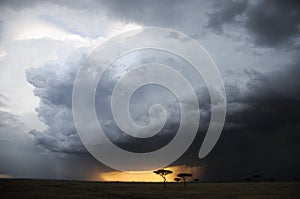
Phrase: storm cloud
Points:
(254, 43)
(53, 85)
(262, 122)
(260, 135)
(267, 23)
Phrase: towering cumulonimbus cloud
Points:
(53, 85)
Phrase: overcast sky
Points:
(255, 44)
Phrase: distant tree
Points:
(256, 177)
(177, 179)
(163, 173)
(248, 179)
(184, 176)
(196, 180)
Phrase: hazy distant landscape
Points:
(79, 189)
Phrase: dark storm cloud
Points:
(261, 129)
(266, 23)
(225, 11)
(274, 22)
(54, 83)
(269, 23)
(186, 14)
(261, 132)
(273, 96)
(145, 12)
(16, 4)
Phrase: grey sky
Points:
(255, 44)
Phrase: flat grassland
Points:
(55, 189)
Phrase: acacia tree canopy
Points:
(177, 179)
(184, 176)
(163, 173)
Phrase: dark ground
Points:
(55, 189)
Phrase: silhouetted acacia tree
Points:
(177, 179)
(248, 179)
(184, 176)
(163, 173)
(256, 177)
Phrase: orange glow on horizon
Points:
(4, 176)
(149, 176)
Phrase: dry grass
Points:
(75, 189)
